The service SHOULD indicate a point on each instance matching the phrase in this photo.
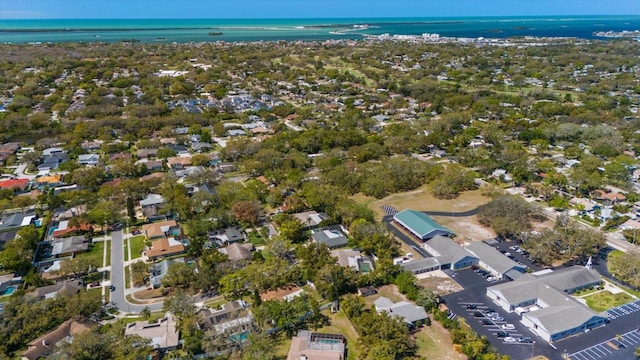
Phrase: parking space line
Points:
(603, 350)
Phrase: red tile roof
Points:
(14, 184)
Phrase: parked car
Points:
(497, 318)
(502, 334)
(112, 288)
(509, 339)
(486, 322)
(488, 310)
(471, 307)
(525, 340)
(491, 279)
(508, 327)
(478, 314)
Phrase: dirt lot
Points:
(149, 294)
(467, 228)
(438, 282)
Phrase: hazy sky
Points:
(212, 9)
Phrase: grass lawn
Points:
(255, 238)
(215, 303)
(341, 325)
(605, 300)
(129, 320)
(137, 246)
(96, 255)
(434, 342)
(421, 199)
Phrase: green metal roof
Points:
(420, 223)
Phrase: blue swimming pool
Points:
(51, 230)
(8, 291)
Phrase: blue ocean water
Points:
(198, 30)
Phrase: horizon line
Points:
(566, 16)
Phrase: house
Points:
(420, 224)
(17, 220)
(422, 265)
(226, 168)
(49, 181)
(161, 229)
(45, 345)
(180, 150)
(331, 236)
(495, 262)
(152, 200)
(63, 229)
(355, 260)
(608, 197)
(88, 159)
(233, 314)
(307, 345)
(287, 292)
(367, 291)
(120, 156)
(238, 252)
(163, 333)
(179, 162)
(159, 270)
(545, 303)
(51, 162)
(201, 147)
(91, 146)
(70, 246)
(236, 132)
(147, 153)
(310, 219)
(449, 254)
(67, 288)
(52, 151)
(164, 247)
(14, 184)
(226, 236)
(410, 313)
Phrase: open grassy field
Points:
(421, 199)
(434, 342)
(605, 300)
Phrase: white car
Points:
(508, 327)
(509, 339)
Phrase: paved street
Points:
(118, 296)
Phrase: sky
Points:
(218, 9)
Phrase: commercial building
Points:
(449, 253)
(420, 225)
(495, 262)
(545, 302)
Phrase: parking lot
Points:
(474, 293)
(623, 310)
(621, 347)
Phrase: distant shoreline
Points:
(240, 30)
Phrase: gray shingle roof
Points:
(331, 237)
(404, 309)
(420, 264)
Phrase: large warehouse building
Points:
(420, 224)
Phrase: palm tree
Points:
(145, 313)
(637, 352)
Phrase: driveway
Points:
(118, 296)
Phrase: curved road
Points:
(118, 296)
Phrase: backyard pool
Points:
(8, 291)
